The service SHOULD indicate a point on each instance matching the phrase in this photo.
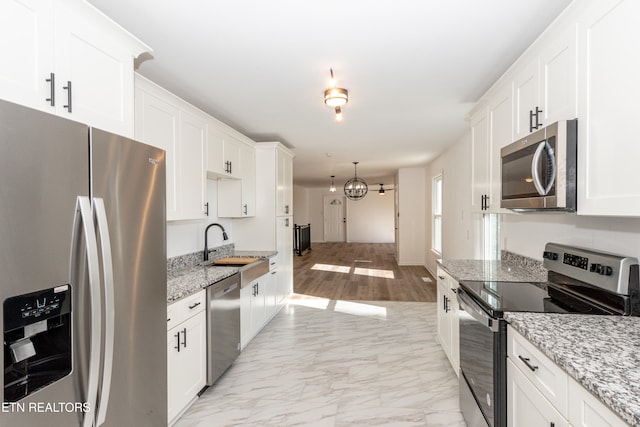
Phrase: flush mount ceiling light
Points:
(336, 97)
(355, 188)
(333, 185)
(381, 190)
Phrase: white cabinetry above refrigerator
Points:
(66, 58)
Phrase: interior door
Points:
(334, 218)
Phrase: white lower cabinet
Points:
(260, 300)
(186, 352)
(585, 410)
(526, 406)
(253, 309)
(540, 393)
(448, 318)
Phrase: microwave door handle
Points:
(552, 158)
(537, 156)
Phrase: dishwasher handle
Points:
(219, 294)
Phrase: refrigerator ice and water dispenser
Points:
(37, 341)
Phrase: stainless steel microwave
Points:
(539, 171)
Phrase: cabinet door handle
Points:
(441, 277)
(52, 89)
(192, 306)
(286, 222)
(526, 361)
(286, 209)
(206, 209)
(537, 113)
(531, 121)
(178, 337)
(230, 167)
(245, 207)
(68, 89)
(454, 290)
(184, 337)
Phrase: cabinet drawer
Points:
(547, 377)
(183, 309)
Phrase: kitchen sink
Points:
(249, 268)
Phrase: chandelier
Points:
(355, 188)
(333, 185)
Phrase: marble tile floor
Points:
(337, 363)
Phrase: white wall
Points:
(369, 220)
(300, 205)
(411, 216)
(457, 222)
(184, 237)
(526, 234)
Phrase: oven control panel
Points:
(601, 269)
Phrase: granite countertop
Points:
(602, 353)
(189, 279)
(503, 271)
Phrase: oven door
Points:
(482, 363)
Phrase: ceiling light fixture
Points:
(333, 185)
(381, 190)
(355, 188)
(338, 114)
(336, 97)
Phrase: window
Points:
(436, 229)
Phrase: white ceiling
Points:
(413, 70)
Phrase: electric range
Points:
(580, 280)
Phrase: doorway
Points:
(335, 219)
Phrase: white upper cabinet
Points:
(544, 85)
(157, 122)
(237, 197)
(558, 82)
(480, 172)
(193, 172)
(491, 129)
(224, 152)
(500, 135)
(165, 121)
(66, 58)
(284, 184)
(526, 89)
(609, 89)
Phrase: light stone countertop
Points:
(502, 271)
(190, 279)
(602, 353)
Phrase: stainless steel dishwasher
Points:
(223, 326)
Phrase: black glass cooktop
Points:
(498, 297)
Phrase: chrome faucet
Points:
(206, 246)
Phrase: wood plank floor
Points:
(359, 271)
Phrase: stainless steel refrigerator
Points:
(82, 275)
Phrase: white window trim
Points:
(434, 214)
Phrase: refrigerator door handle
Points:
(83, 222)
(109, 309)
